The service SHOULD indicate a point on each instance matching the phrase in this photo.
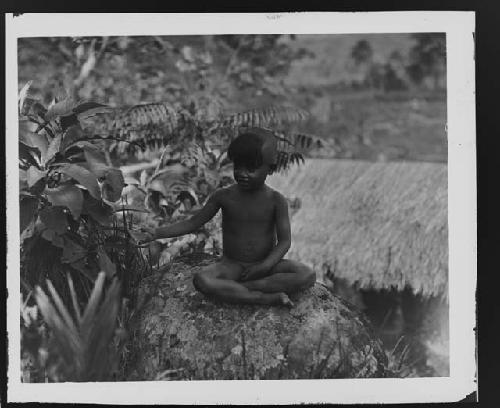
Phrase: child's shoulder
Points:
(232, 190)
(275, 195)
(223, 192)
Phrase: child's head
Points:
(254, 156)
(254, 148)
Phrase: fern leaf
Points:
(152, 113)
(151, 124)
(292, 146)
(304, 141)
(300, 141)
(270, 116)
(286, 159)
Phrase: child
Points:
(255, 230)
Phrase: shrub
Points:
(69, 212)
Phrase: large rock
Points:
(182, 333)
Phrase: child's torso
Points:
(248, 225)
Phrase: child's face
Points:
(250, 177)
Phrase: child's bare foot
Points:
(284, 300)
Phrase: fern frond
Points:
(152, 125)
(148, 114)
(292, 146)
(270, 116)
(286, 159)
(298, 141)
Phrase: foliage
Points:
(74, 346)
(260, 60)
(369, 125)
(130, 69)
(428, 57)
(70, 210)
(67, 190)
(397, 360)
(192, 77)
(362, 52)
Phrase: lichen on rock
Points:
(182, 331)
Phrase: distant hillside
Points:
(333, 52)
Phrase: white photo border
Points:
(459, 28)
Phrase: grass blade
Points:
(92, 305)
(74, 300)
(63, 311)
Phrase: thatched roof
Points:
(382, 224)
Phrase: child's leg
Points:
(286, 276)
(220, 281)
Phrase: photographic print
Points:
(223, 204)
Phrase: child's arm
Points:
(284, 241)
(283, 233)
(192, 224)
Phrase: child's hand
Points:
(143, 235)
(254, 272)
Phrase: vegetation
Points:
(69, 215)
(426, 60)
(80, 349)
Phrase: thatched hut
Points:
(380, 225)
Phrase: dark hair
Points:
(246, 150)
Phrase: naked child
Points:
(255, 231)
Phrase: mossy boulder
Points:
(183, 335)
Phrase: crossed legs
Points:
(221, 280)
